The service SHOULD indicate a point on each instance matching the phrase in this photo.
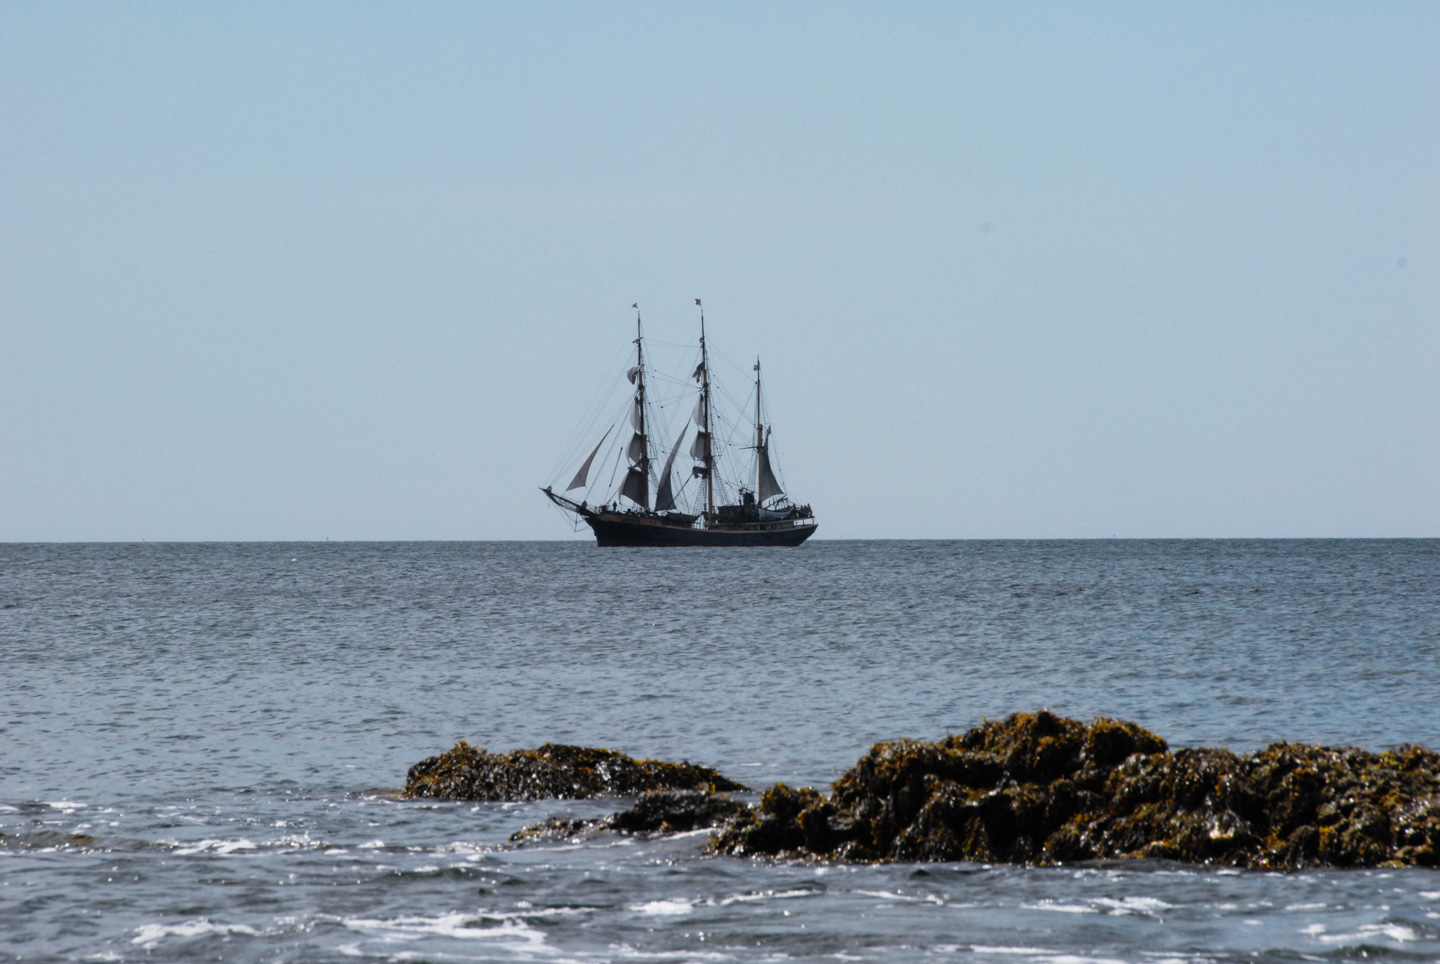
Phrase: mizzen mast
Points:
(766, 485)
(759, 430)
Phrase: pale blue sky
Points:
(280, 271)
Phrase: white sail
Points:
(769, 486)
(636, 448)
(584, 473)
(633, 373)
(665, 493)
(636, 488)
(698, 416)
(637, 418)
(700, 448)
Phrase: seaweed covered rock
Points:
(659, 811)
(553, 770)
(682, 811)
(1039, 789)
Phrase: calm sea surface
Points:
(200, 744)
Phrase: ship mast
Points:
(759, 431)
(640, 404)
(705, 411)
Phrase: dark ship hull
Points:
(619, 529)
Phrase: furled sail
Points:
(636, 489)
(665, 494)
(700, 448)
(636, 448)
(633, 373)
(769, 487)
(584, 473)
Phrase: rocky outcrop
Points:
(1040, 789)
(553, 770)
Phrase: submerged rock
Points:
(553, 770)
(676, 812)
(1041, 789)
(659, 811)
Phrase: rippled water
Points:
(199, 744)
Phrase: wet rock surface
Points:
(660, 811)
(1041, 789)
(554, 770)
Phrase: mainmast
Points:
(640, 403)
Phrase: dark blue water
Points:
(199, 744)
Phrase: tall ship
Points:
(728, 494)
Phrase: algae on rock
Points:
(553, 770)
(1041, 789)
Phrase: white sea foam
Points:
(301, 842)
(148, 935)
(908, 898)
(1398, 933)
(65, 806)
(216, 846)
(1133, 905)
(1060, 908)
(506, 930)
(460, 847)
(664, 908)
(767, 895)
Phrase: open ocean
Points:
(201, 744)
